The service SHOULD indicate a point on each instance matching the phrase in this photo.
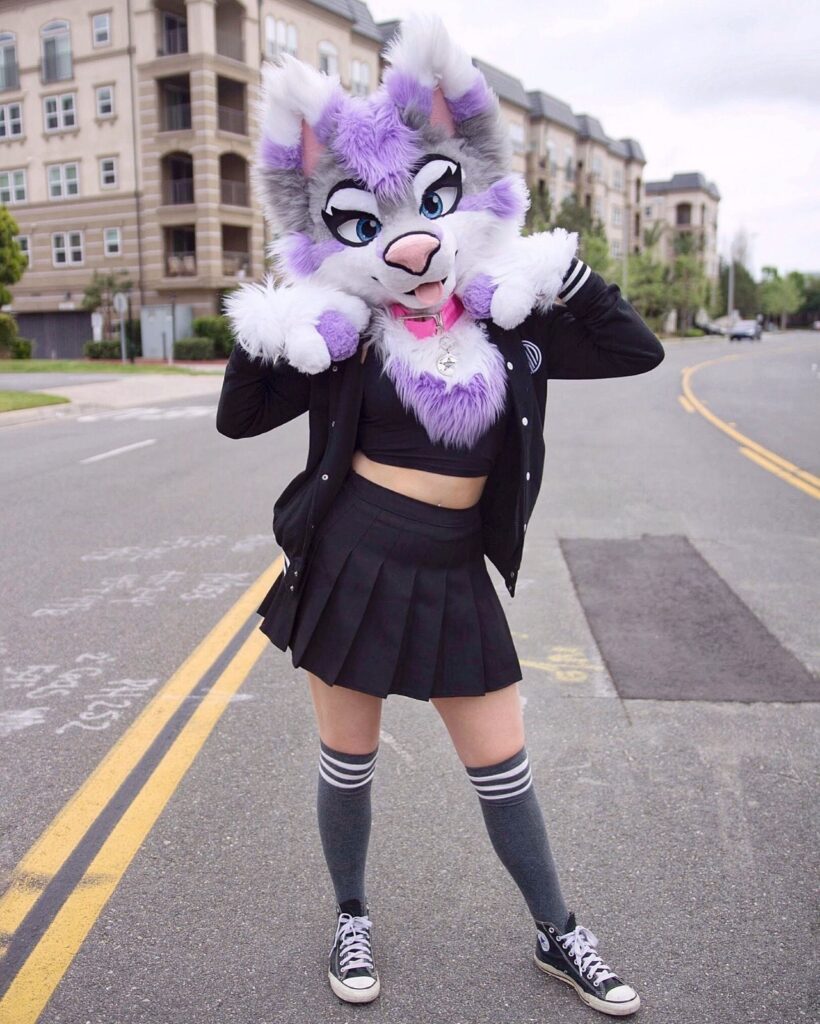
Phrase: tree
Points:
(810, 308)
(689, 284)
(13, 260)
(747, 301)
(539, 215)
(100, 295)
(780, 296)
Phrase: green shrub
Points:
(133, 338)
(8, 334)
(217, 328)
(194, 348)
(21, 348)
(693, 332)
(102, 350)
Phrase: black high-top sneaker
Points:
(352, 973)
(570, 956)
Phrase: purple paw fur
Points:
(478, 295)
(341, 337)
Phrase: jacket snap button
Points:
(524, 420)
(334, 368)
(324, 476)
(528, 474)
(509, 366)
(292, 587)
(333, 423)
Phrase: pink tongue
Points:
(430, 294)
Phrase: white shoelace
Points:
(353, 936)
(581, 945)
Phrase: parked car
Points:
(750, 329)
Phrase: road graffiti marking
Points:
(566, 665)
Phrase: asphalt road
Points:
(185, 882)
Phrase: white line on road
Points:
(119, 451)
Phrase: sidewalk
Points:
(116, 393)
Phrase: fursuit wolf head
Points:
(397, 197)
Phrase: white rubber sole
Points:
(354, 995)
(613, 1009)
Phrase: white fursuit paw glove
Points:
(526, 275)
(308, 325)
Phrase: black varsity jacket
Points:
(596, 333)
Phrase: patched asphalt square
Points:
(670, 628)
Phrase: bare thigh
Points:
(486, 729)
(348, 721)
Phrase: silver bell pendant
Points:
(446, 363)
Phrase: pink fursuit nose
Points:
(412, 252)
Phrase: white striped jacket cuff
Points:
(574, 280)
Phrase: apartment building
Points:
(685, 204)
(126, 136)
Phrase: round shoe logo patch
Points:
(533, 355)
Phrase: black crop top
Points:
(389, 433)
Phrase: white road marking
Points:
(119, 451)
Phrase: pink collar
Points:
(425, 325)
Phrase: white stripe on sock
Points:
(347, 764)
(345, 785)
(503, 796)
(346, 776)
(504, 785)
(500, 775)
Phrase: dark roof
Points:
(388, 29)
(506, 87)
(590, 128)
(354, 11)
(687, 181)
(553, 109)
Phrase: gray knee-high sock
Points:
(515, 823)
(343, 809)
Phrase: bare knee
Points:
(348, 721)
(485, 729)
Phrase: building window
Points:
(9, 79)
(569, 164)
(11, 120)
(63, 180)
(108, 172)
(101, 29)
(24, 241)
(105, 100)
(618, 178)
(66, 248)
(616, 216)
(280, 37)
(293, 40)
(359, 77)
(616, 248)
(683, 214)
(173, 34)
(112, 242)
(328, 58)
(519, 141)
(648, 212)
(597, 167)
(12, 187)
(56, 51)
(60, 112)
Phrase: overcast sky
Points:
(730, 88)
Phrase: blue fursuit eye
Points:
(367, 228)
(432, 205)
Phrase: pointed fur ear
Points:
(294, 116)
(440, 114)
(425, 61)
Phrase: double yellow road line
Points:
(764, 457)
(61, 885)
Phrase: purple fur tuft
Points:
(279, 157)
(372, 141)
(478, 295)
(458, 415)
(341, 337)
(301, 256)
(327, 120)
(502, 198)
(477, 100)
(408, 93)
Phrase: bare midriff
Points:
(435, 488)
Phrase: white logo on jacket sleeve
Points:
(533, 355)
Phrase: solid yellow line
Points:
(61, 837)
(788, 477)
(793, 475)
(41, 973)
(684, 401)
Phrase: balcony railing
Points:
(56, 67)
(9, 77)
(173, 40)
(234, 193)
(229, 119)
(176, 117)
(180, 190)
(234, 262)
(181, 264)
(229, 44)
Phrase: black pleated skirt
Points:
(397, 599)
